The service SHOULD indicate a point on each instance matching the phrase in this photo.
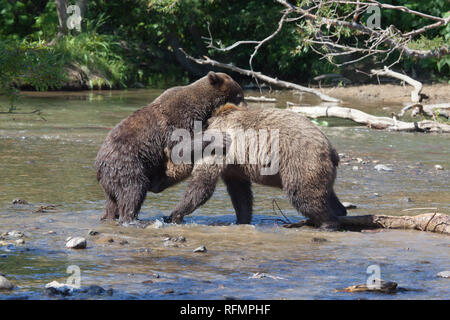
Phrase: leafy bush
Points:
(100, 57)
(28, 64)
(119, 47)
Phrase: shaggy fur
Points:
(307, 168)
(132, 161)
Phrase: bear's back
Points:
(290, 125)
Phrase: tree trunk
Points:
(82, 4)
(61, 9)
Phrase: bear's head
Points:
(229, 89)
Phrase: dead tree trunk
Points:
(432, 222)
(371, 121)
(61, 9)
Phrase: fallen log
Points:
(431, 110)
(372, 121)
(443, 109)
(432, 222)
(416, 97)
(415, 94)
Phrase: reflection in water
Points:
(51, 162)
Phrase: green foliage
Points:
(28, 64)
(17, 18)
(130, 41)
(98, 56)
(46, 23)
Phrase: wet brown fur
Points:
(132, 160)
(307, 168)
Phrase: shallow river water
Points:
(51, 162)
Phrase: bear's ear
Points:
(214, 78)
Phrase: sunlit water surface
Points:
(51, 162)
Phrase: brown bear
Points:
(132, 161)
(293, 154)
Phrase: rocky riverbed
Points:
(48, 193)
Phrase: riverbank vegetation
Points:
(136, 43)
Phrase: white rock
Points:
(5, 284)
(61, 287)
(382, 167)
(444, 274)
(77, 243)
(156, 225)
(200, 249)
(438, 167)
(180, 239)
(15, 234)
(169, 243)
(20, 241)
(93, 232)
(260, 275)
(355, 168)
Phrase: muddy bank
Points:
(388, 93)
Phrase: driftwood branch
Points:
(431, 222)
(262, 77)
(443, 109)
(36, 112)
(415, 94)
(372, 121)
(431, 110)
(416, 105)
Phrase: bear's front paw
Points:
(329, 226)
(173, 219)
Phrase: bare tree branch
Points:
(262, 77)
(415, 94)
(379, 41)
(391, 36)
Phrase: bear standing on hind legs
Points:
(300, 160)
(132, 161)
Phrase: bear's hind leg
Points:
(130, 203)
(313, 205)
(111, 209)
(241, 195)
(337, 207)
